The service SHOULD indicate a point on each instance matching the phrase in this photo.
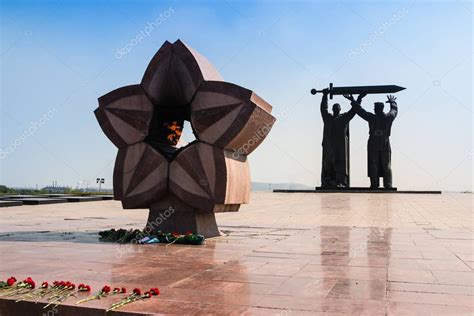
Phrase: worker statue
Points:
(335, 165)
(378, 147)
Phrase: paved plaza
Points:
(283, 254)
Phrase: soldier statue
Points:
(335, 166)
(378, 147)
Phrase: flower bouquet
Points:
(61, 292)
(20, 288)
(37, 293)
(135, 296)
(143, 236)
(102, 293)
(8, 283)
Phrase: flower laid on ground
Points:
(11, 281)
(155, 291)
(83, 288)
(46, 289)
(59, 291)
(8, 283)
(55, 289)
(135, 235)
(20, 288)
(38, 293)
(64, 291)
(102, 293)
(118, 290)
(29, 283)
(135, 296)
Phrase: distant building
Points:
(56, 189)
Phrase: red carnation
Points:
(116, 290)
(123, 290)
(30, 282)
(137, 291)
(11, 281)
(84, 287)
(189, 232)
(175, 234)
(147, 294)
(105, 289)
(44, 285)
(155, 291)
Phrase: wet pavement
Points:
(284, 254)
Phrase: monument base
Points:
(356, 190)
(171, 215)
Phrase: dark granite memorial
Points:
(335, 171)
(81, 198)
(358, 190)
(39, 200)
(378, 148)
(25, 196)
(335, 162)
(8, 203)
(105, 197)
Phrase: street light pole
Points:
(100, 181)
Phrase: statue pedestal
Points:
(171, 215)
(356, 190)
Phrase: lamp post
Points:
(100, 181)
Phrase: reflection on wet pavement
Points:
(369, 255)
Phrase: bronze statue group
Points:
(335, 162)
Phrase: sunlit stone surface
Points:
(286, 254)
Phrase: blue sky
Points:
(58, 57)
